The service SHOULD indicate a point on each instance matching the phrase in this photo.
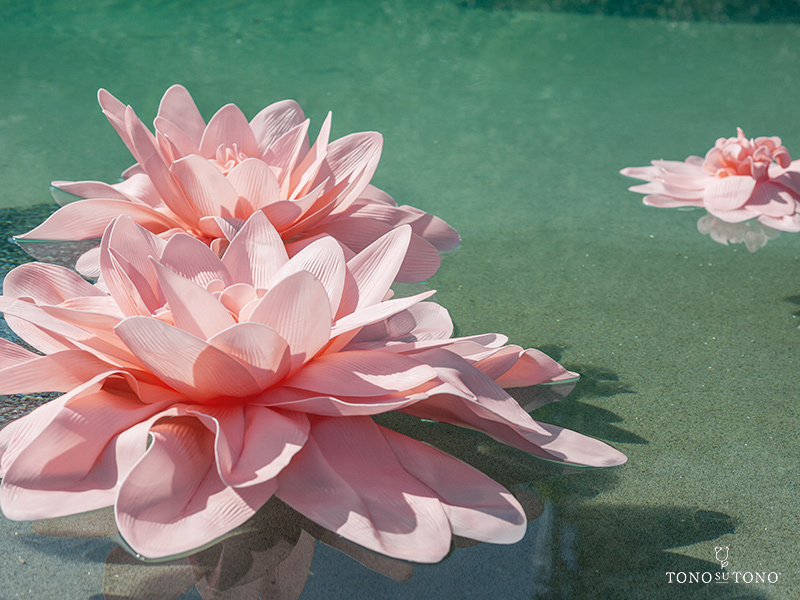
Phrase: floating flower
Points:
(197, 387)
(207, 179)
(750, 189)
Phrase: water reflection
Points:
(574, 549)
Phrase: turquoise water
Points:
(512, 125)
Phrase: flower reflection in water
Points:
(269, 557)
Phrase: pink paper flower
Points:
(750, 189)
(196, 387)
(207, 179)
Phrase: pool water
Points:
(512, 125)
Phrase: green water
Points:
(512, 125)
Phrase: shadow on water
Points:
(796, 301)
(590, 550)
(568, 410)
(741, 11)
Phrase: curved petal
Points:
(68, 462)
(190, 258)
(305, 173)
(356, 157)
(11, 355)
(292, 399)
(772, 200)
(298, 309)
(178, 107)
(324, 259)
(259, 348)
(471, 399)
(377, 312)
(790, 223)
(374, 269)
(193, 308)
(284, 153)
(153, 164)
(88, 219)
(86, 189)
(347, 479)
(430, 228)
(274, 121)
(254, 180)
(46, 284)
(227, 127)
(728, 193)
(256, 253)
(253, 443)
(173, 499)
(186, 363)
(208, 190)
(361, 373)
(114, 110)
(511, 366)
(59, 372)
(420, 262)
(477, 507)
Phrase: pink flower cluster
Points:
(207, 179)
(749, 188)
(240, 337)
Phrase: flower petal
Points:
(471, 399)
(259, 348)
(66, 461)
(728, 193)
(254, 180)
(227, 127)
(477, 507)
(59, 372)
(173, 499)
(347, 479)
(256, 253)
(511, 366)
(186, 363)
(324, 259)
(153, 164)
(274, 121)
(179, 109)
(374, 269)
(88, 219)
(46, 284)
(207, 189)
(190, 258)
(253, 443)
(298, 309)
(11, 355)
(361, 373)
(193, 308)
(421, 259)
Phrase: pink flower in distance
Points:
(750, 189)
(207, 179)
(196, 387)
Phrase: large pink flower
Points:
(196, 387)
(207, 179)
(750, 188)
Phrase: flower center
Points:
(228, 157)
(740, 156)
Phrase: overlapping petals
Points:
(207, 179)
(750, 189)
(198, 385)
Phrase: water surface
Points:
(511, 125)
